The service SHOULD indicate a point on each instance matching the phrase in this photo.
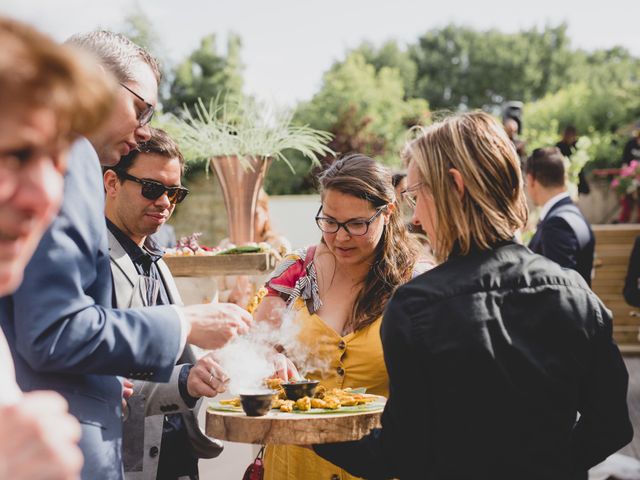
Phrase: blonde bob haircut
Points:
(492, 206)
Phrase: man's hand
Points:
(214, 324)
(206, 378)
(38, 439)
(127, 391)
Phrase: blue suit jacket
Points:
(62, 332)
(565, 237)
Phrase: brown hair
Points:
(546, 166)
(396, 253)
(36, 72)
(160, 143)
(492, 206)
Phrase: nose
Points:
(163, 201)
(38, 193)
(342, 234)
(143, 133)
(414, 219)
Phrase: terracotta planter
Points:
(240, 187)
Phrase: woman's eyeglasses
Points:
(153, 190)
(410, 194)
(355, 228)
(145, 115)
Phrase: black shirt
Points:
(490, 356)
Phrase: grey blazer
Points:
(142, 428)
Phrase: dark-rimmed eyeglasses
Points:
(152, 190)
(145, 116)
(410, 194)
(354, 228)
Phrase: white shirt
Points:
(551, 202)
(9, 391)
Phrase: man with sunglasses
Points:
(142, 191)
(67, 337)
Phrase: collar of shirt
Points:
(138, 255)
(551, 202)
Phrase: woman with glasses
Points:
(501, 363)
(338, 290)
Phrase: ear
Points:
(457, 178)
(111, 183)
(391, 207)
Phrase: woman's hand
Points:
(271, 310)
(284, 368)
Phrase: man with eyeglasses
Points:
(67, 337)
(142, 191)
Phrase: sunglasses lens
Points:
(152, 191)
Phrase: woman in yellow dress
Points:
(338, 290)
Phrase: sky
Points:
(289, 44)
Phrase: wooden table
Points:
(290, 428)
(215, 265)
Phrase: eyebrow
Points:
(356, 219)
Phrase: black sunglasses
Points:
(153, 190)
(145, 115)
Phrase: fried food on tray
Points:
(332, 399)
(287, 406)
(273, 383)
(303, 404)
(320, 391)
(318, 403)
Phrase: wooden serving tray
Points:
(291, 428)
(213, 265)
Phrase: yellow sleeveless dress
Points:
(355, 360)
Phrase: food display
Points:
(189, 246)
(330, 415)
(335, 400)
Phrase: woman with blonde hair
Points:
(338, 289)
(493, 354)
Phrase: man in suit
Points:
(38, 437)
(62, 332)
(141, 278)
(563, 234)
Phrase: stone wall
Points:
(202, 211)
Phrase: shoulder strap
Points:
(572, 215)
(311, 251)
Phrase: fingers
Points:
(43, 438)
(206, 378)
(292, 371)
(281, 367)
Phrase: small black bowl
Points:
(303, 388)
(257, 404)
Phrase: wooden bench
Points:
(613, 248)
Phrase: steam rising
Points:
(248, 360)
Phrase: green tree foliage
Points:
(365, 109)
(459, 67)
(206, 74)
(392, 56)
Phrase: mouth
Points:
(128, 147)
(344, 250)
(11, 246)
(157, 217)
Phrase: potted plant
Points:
(240, 139)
